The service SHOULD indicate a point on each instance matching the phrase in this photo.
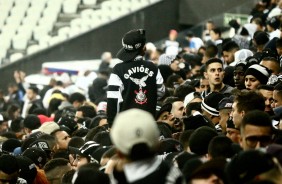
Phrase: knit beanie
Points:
(260, 72)
(166, 59)
(210, 103)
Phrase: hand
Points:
(22, 75)
(17, 76)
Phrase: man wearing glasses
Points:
(256, 130)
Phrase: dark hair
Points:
(8, 164)
(140, 151)
(249, 100)
(183, 90)
(265, 87)
(51, 141)
(211, 51)
(278, 88)
(56, 162)
(217, 31)
(87, 111)
(54, 105)
(77, 97)
(103, 138)
(229, 46)
(67, 178)
(109, 153)
(11, 109)
(17, 125)
(273, 59)
(76, 142)
(212, 60)
(184, 138)
(279, 43)
(261, 37)
(257, 118)
(61, 154)
(39, 111)
(171, 79)
(92, 132)
(34, 89)
(258, 21)
(96, 120)
(220, 147)
(171, 99)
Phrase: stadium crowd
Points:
(201, 111)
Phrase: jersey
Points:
(134, 84)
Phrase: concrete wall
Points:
(192, 12)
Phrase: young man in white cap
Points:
(137, 145)
(134, 83)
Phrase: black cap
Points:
(165, 108)
(132, 42)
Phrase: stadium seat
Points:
(70, 6)
(20, 41)
(64, 31)
(89, 2)
(32, 49)
(16, 56)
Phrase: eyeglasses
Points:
(252, 141)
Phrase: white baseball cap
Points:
(132, 127)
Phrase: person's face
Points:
(172, 36)
(196, 70)
(254, 137)
(269, 28)
(62, 140)
(214, 36)
(209, 26)
(30, 94)
(271, 65)
(17, 113)
(80, 161)
(177, 109)
(215, 74)
(277, 99)
(279, 50)
(228, 57)
(154, 56)
(103, 122)
(78, 115)
(233, 134)
(251, 83)
(175, 66)
(167, 118)
(268, 99)
(236, 115)
(213, 179)
(204, 85)
(239, 78)
(224, 116)
(4, 126)
(12, 89)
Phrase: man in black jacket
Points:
(134, 83)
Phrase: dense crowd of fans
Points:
(204, 110)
